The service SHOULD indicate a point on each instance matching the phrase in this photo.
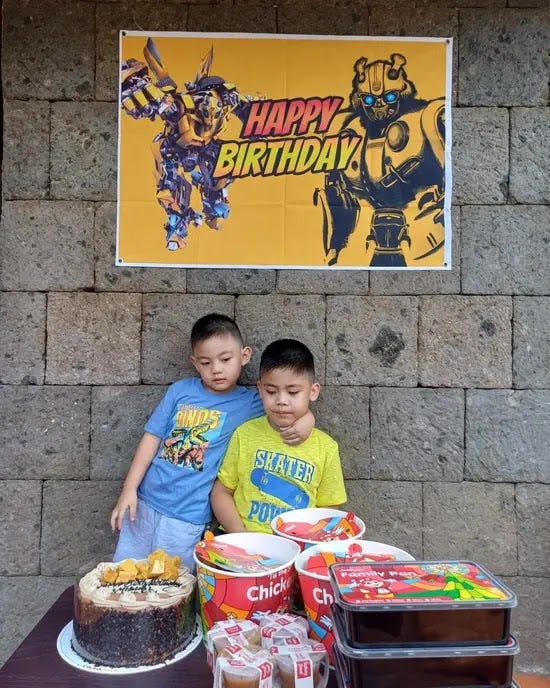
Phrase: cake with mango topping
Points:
(135, 612)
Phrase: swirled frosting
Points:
(137, 594)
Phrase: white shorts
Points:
(152, 530)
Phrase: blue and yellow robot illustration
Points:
(186, 150)
(399, 167)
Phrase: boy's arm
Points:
(224, 508)
(299, 431)
(145, 453)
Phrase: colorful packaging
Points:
(225, 633)
(277, 627)
(310, 526)
(239, 667)
(301, 664)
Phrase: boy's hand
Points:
(126, 501)
(299, 431)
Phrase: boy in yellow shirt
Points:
(260, 476)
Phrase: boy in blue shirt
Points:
(165, 499)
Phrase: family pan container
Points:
(435, 667)
(421, 603)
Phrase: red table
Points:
(36, 663)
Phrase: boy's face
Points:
(286, 395)
(219, 360)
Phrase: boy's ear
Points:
(246, 354)
(315, 391)
(194, 362)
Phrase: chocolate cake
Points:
(133, 621)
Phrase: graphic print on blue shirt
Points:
(193, 428)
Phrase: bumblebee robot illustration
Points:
(185, 151)
(399, 165)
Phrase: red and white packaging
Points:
(277, 627)
(239, 667)
(301, 664)
(229, 632)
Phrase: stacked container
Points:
(427, 624)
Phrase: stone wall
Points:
(445, 438)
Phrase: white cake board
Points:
(69, 655)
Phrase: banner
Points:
(279, 151)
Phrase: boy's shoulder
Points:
(324, 438)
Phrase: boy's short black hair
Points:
(214, 325)
(288, 354)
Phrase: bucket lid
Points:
(417, 585)
(435, 651)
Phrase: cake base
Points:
(68, 654)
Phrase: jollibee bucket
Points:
(313, 515)
(227, 595)
(317, 590)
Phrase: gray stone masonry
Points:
(83, 160)
(505, 249)
(167, 322)
(34, 234)
(93, 339)
(26, 151)
(417, 434)
(531, 341)
(465, 341)
(435, 383)
(507, 435)
(118, 417)
(22, 337)
(45, 432)
(372, 340)
(109, 277)
(530, 155)
(473, 521)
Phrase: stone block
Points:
(465, 341)
(75, 524)
(84, 151)
(437, 4)
(22, 338)
(93, 339)
(408, 282)
(480, 155)
(266, 318)
(473, 521)
(110, 277)
(503, 57)
(371, 340)
(323, 281)
(167, 322)
(343, 412)
(48, 50)
(530, 623)
(417, 434)
(45, 433)
(230, 281)
(257, 18)
(134, 16)
(24, 600)
(533, 513)
(506, 249)
(507, 435)
(391, 510)
(35, 234)
(343, 17)
(530, 155)
(20, 504)
(118, 417)
(26, 150)
(418, 20)
(531, 341)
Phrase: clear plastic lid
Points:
(511, 648)
(416, 585)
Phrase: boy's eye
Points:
(226, 360)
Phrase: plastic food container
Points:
(424, 667)
(397, 604)
(348, 670)
(316, 588)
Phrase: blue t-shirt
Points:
(194, 426)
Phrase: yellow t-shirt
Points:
(269, 476)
